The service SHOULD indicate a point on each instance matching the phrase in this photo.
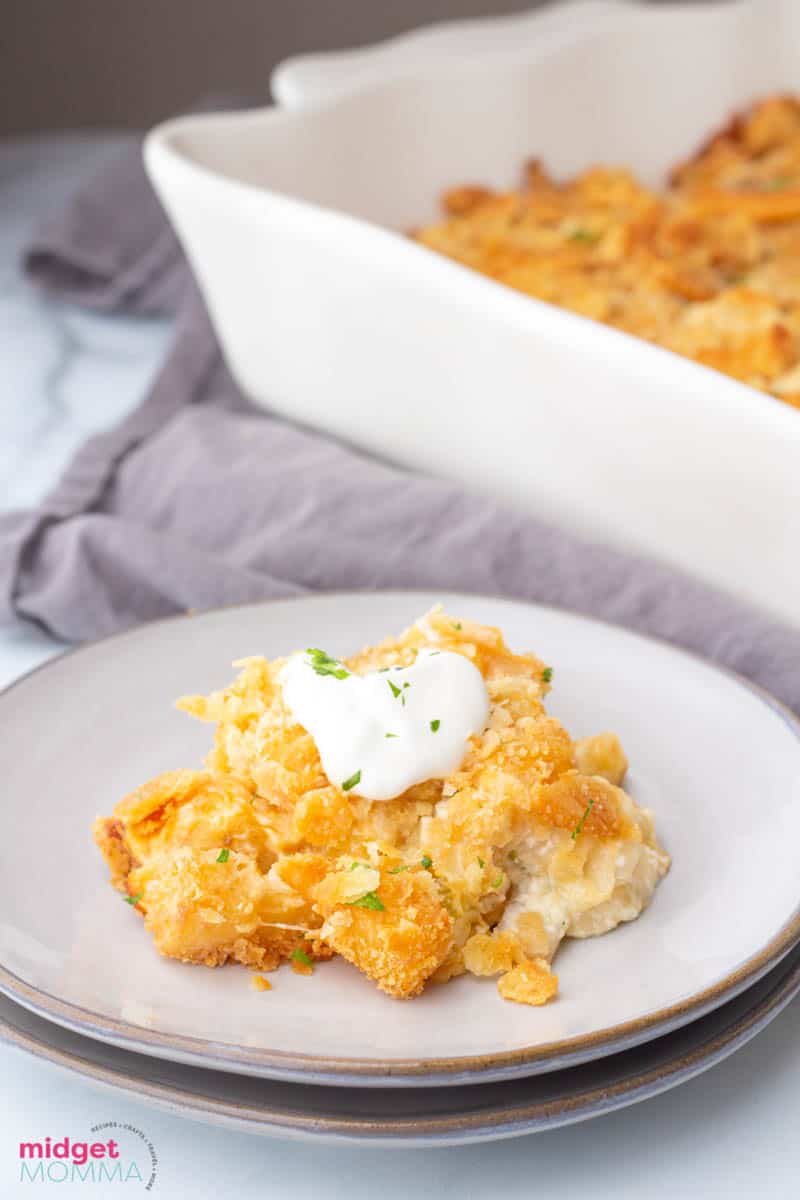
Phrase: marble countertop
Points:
(728, 1133)
(66, 373)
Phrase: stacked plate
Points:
(708, 965)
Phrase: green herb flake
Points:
(391, 735)
(481, 863)
(223, 855)
(323, 664)
(352, 781)
(354, 866)
(512, 854)
(496, 883)
(427, 862)
(395, 689)
(399, 870)
(370, 900)
(299, 955)
(456, 625)
(133, 899)
(547, 674)
(587, 236)
(579, 827)
(435, 726)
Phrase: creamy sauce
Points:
(381, 733)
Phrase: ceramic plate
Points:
(413, 1117)
(717, 760)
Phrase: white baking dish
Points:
(293, 221)
(308, 78)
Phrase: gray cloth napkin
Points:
(198, 499)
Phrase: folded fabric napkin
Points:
(199, 499)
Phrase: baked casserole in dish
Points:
(667, 443)
(709, 267)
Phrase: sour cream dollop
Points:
(381, 733)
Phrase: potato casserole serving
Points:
(438, 821)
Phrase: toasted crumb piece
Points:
(586, 804)
(601, 755)
(302, 872)
(109, 834)
(323, 818)
(200, 910)
(459, 201)
(399, 937)
(201, 810)
(532, 935)
(260, 984)
(532, 982)
(492, 953)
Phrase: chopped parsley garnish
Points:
(587, 236)
(133, 899)
(223, 855)
(352, 781)
(547, 674)
(396, 691)
(579, 827)
(299, 955)
(496, 883)
(370, 900)
(323, 664)
(427, 862)
(456, 624)
(397, 870)
(512, 854)
(391, 735)
(435, 725)
(481, 863)
(354, 866)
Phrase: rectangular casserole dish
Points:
(294, 222)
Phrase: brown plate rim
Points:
(445, 1129)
